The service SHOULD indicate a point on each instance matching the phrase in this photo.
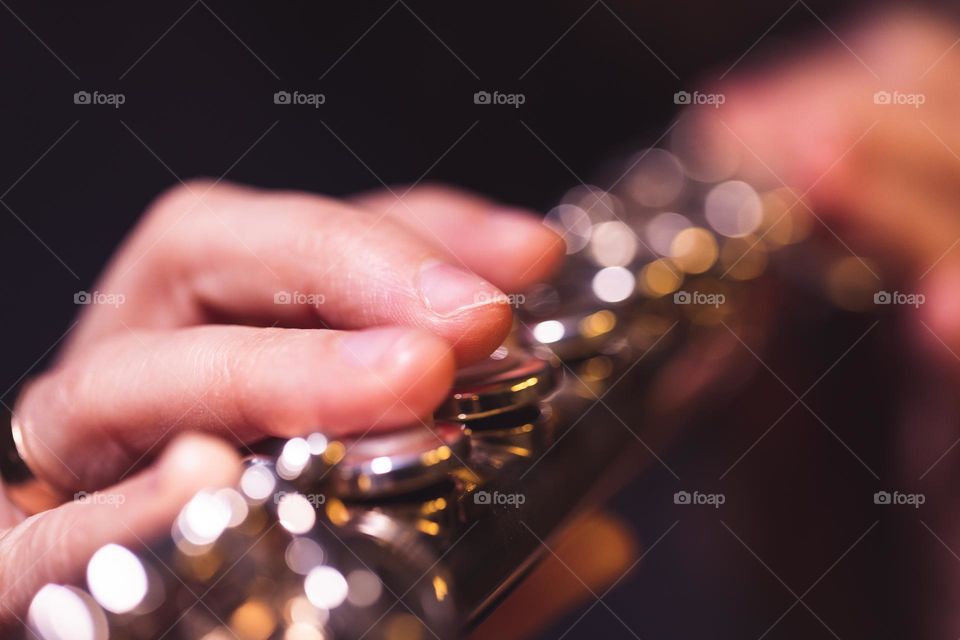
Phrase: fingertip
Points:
(194, 461)
(470, 313)
(422, 374)
(527, 251)
(392, 351)
(507, 245)
(477, 335)
(403, 374)
(448, 291)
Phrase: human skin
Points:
(195, 348)
(397, 289)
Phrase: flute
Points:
(421, 531)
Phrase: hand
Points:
(53, 546)
(885, 178)
(244, 314)
(869, 131)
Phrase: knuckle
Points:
(42, 393)
(44, 397)
(180, 198)
(181, 216)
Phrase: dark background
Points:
(199, 81)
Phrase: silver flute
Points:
(421, 532)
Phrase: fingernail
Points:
(372, 347)
(448, 290)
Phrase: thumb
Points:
(55, 545)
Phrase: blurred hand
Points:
(248, 314)
(867, 127)
(395, 294)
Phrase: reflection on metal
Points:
(516, 379)
(392, 462)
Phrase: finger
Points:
(225, 253)
(54, 546)
(939, 326)
(9, 513)
(890, 212)
(797, 119)
(87, 422)
(589, 556)
(509, 247)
